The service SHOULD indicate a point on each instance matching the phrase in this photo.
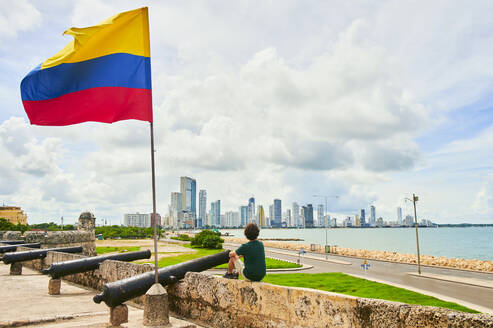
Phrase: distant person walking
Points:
(254, 255)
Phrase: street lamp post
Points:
(325, 222)
(414, 200)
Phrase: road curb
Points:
(476, 307)
(457, 280)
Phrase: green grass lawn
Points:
(271, 264)
(201, 252)
(345, 284)
(109, 249)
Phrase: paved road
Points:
(479, 298)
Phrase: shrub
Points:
(208, 239)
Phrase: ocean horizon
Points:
(458, 242)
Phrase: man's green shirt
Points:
(254, 255)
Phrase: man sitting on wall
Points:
(254, 255)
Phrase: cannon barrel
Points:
(115, 293)
(60, 269)
(13, 248)
(12, 242)
(36, 254)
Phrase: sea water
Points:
(468, 243)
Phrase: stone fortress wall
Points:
(212, 301)
(83, 236)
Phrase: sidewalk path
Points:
(25, 303)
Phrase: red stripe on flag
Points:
(105, 104)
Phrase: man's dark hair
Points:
(251, 231)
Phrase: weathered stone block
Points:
(54, 286)
(12, 235)
(87, 222)
(118, 315)
(16, 269)
(156, 307)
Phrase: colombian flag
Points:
(103, 75)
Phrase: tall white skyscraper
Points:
(202, 208)
(271, 215)
(320, 215)
(373, 220)
(399, 215)
(231, 219)
(175, 209)
(296, 214)
(288, 218)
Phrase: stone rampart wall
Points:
(217, 302)
(53, 239)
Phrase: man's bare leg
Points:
(231, 263)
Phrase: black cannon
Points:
(36, 254)
(60, 269)
(12, 242)
(115, 293)
(13, 248)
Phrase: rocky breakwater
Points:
(457, 263)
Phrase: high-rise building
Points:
(243, 215)
(251, 210)
(302, 216)
(373, 219)
(137, 220)
(288, 218)
(399, 215)
(175, 210)
(216, 213)
(277, 213)
(202, 208)
(308, 212)
(320, 215)
(231, 219)
(271, 215)
(260, 216)
(357, 221)
(188, 189)
(296, 215)
(362, 218)
(327, 221)
(409, 221)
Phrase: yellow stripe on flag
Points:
(127, 32)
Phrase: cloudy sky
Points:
(371, 101)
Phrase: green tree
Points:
(208, 239)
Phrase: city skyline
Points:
(382, 116)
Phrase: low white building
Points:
(137, 220)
